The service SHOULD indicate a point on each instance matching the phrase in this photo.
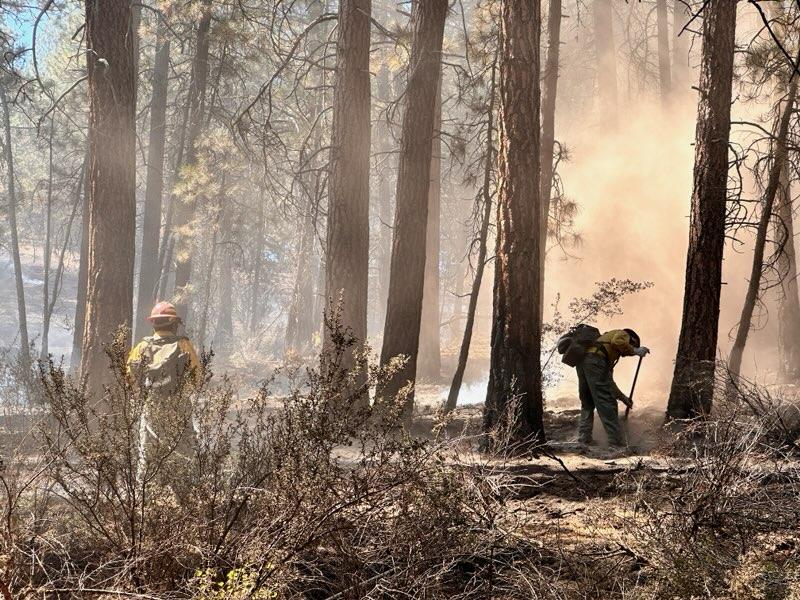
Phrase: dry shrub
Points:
(707, 524)
(314, 494)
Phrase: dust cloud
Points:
(633, 186)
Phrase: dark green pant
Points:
(597, 390)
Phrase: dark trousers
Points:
(597, 390)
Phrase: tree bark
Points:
(483, 237)
(298, 325)
(48, 249)
(514, 396)
(149, 266)
(258, 260)
(785, 256)
(112, 181)
(779, 161)
(385, 189)
(224, 331)
(184, 212)
(606, 56)
(83, 275)
(550, 79)
(664, 72)
(681, 43)
(430, 345)
(167, 243)
(11, 183)
(457, 315)
(788, 302)
(407, 277)
(58, 279)
(693, 382)
(347, 243)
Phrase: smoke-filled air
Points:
(419, 299)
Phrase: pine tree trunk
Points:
(779, 161)
(788, 302)
(606, 57)
(681, 43)
(297, 330)
(514, 395)
(48, 250)
(785, 257)
(58, 279)
(664, 72)
(347, 244)
(149, 267)
(167, 243)
(112, 182)
(550, 80)
(202, 321)
(483, 237)
(430, 345)
(693, 382)
(407, 277)
(83, 275)
(224, 331)
(458, 301)
(11, 183)
(184, 213)
(258, 261)
(384, 201)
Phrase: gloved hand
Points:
(626, 401)
(641, 351)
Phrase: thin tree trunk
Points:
(785, 255)
(14, 231)
(458, 301)
(258, 260)
(384, 201)
(407, 279)
(151, 221)
(303, 293)
(430, 344)
(83, 275)
(514, 396)
(463, 355)
(788, 302)
(664, 72)
(779, 161)
(320, 301)
(606, 56)
(681, 43)
(550, 79)
(47, 250)
(165, 249)
(202, 326)
(184, 213)
(347, 243)
(693, 383)
(59, 274)
(112, 182)
(224, 331)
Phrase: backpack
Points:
(574, 345)
(164, 363)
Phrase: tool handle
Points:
(633, 386)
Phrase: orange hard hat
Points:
(163, 310)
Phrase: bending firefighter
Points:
(595, 356)
(165, 371)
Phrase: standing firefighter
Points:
(595, 356)
(166, 370)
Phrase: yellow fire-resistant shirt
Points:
(184, 344)
(617, 343)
